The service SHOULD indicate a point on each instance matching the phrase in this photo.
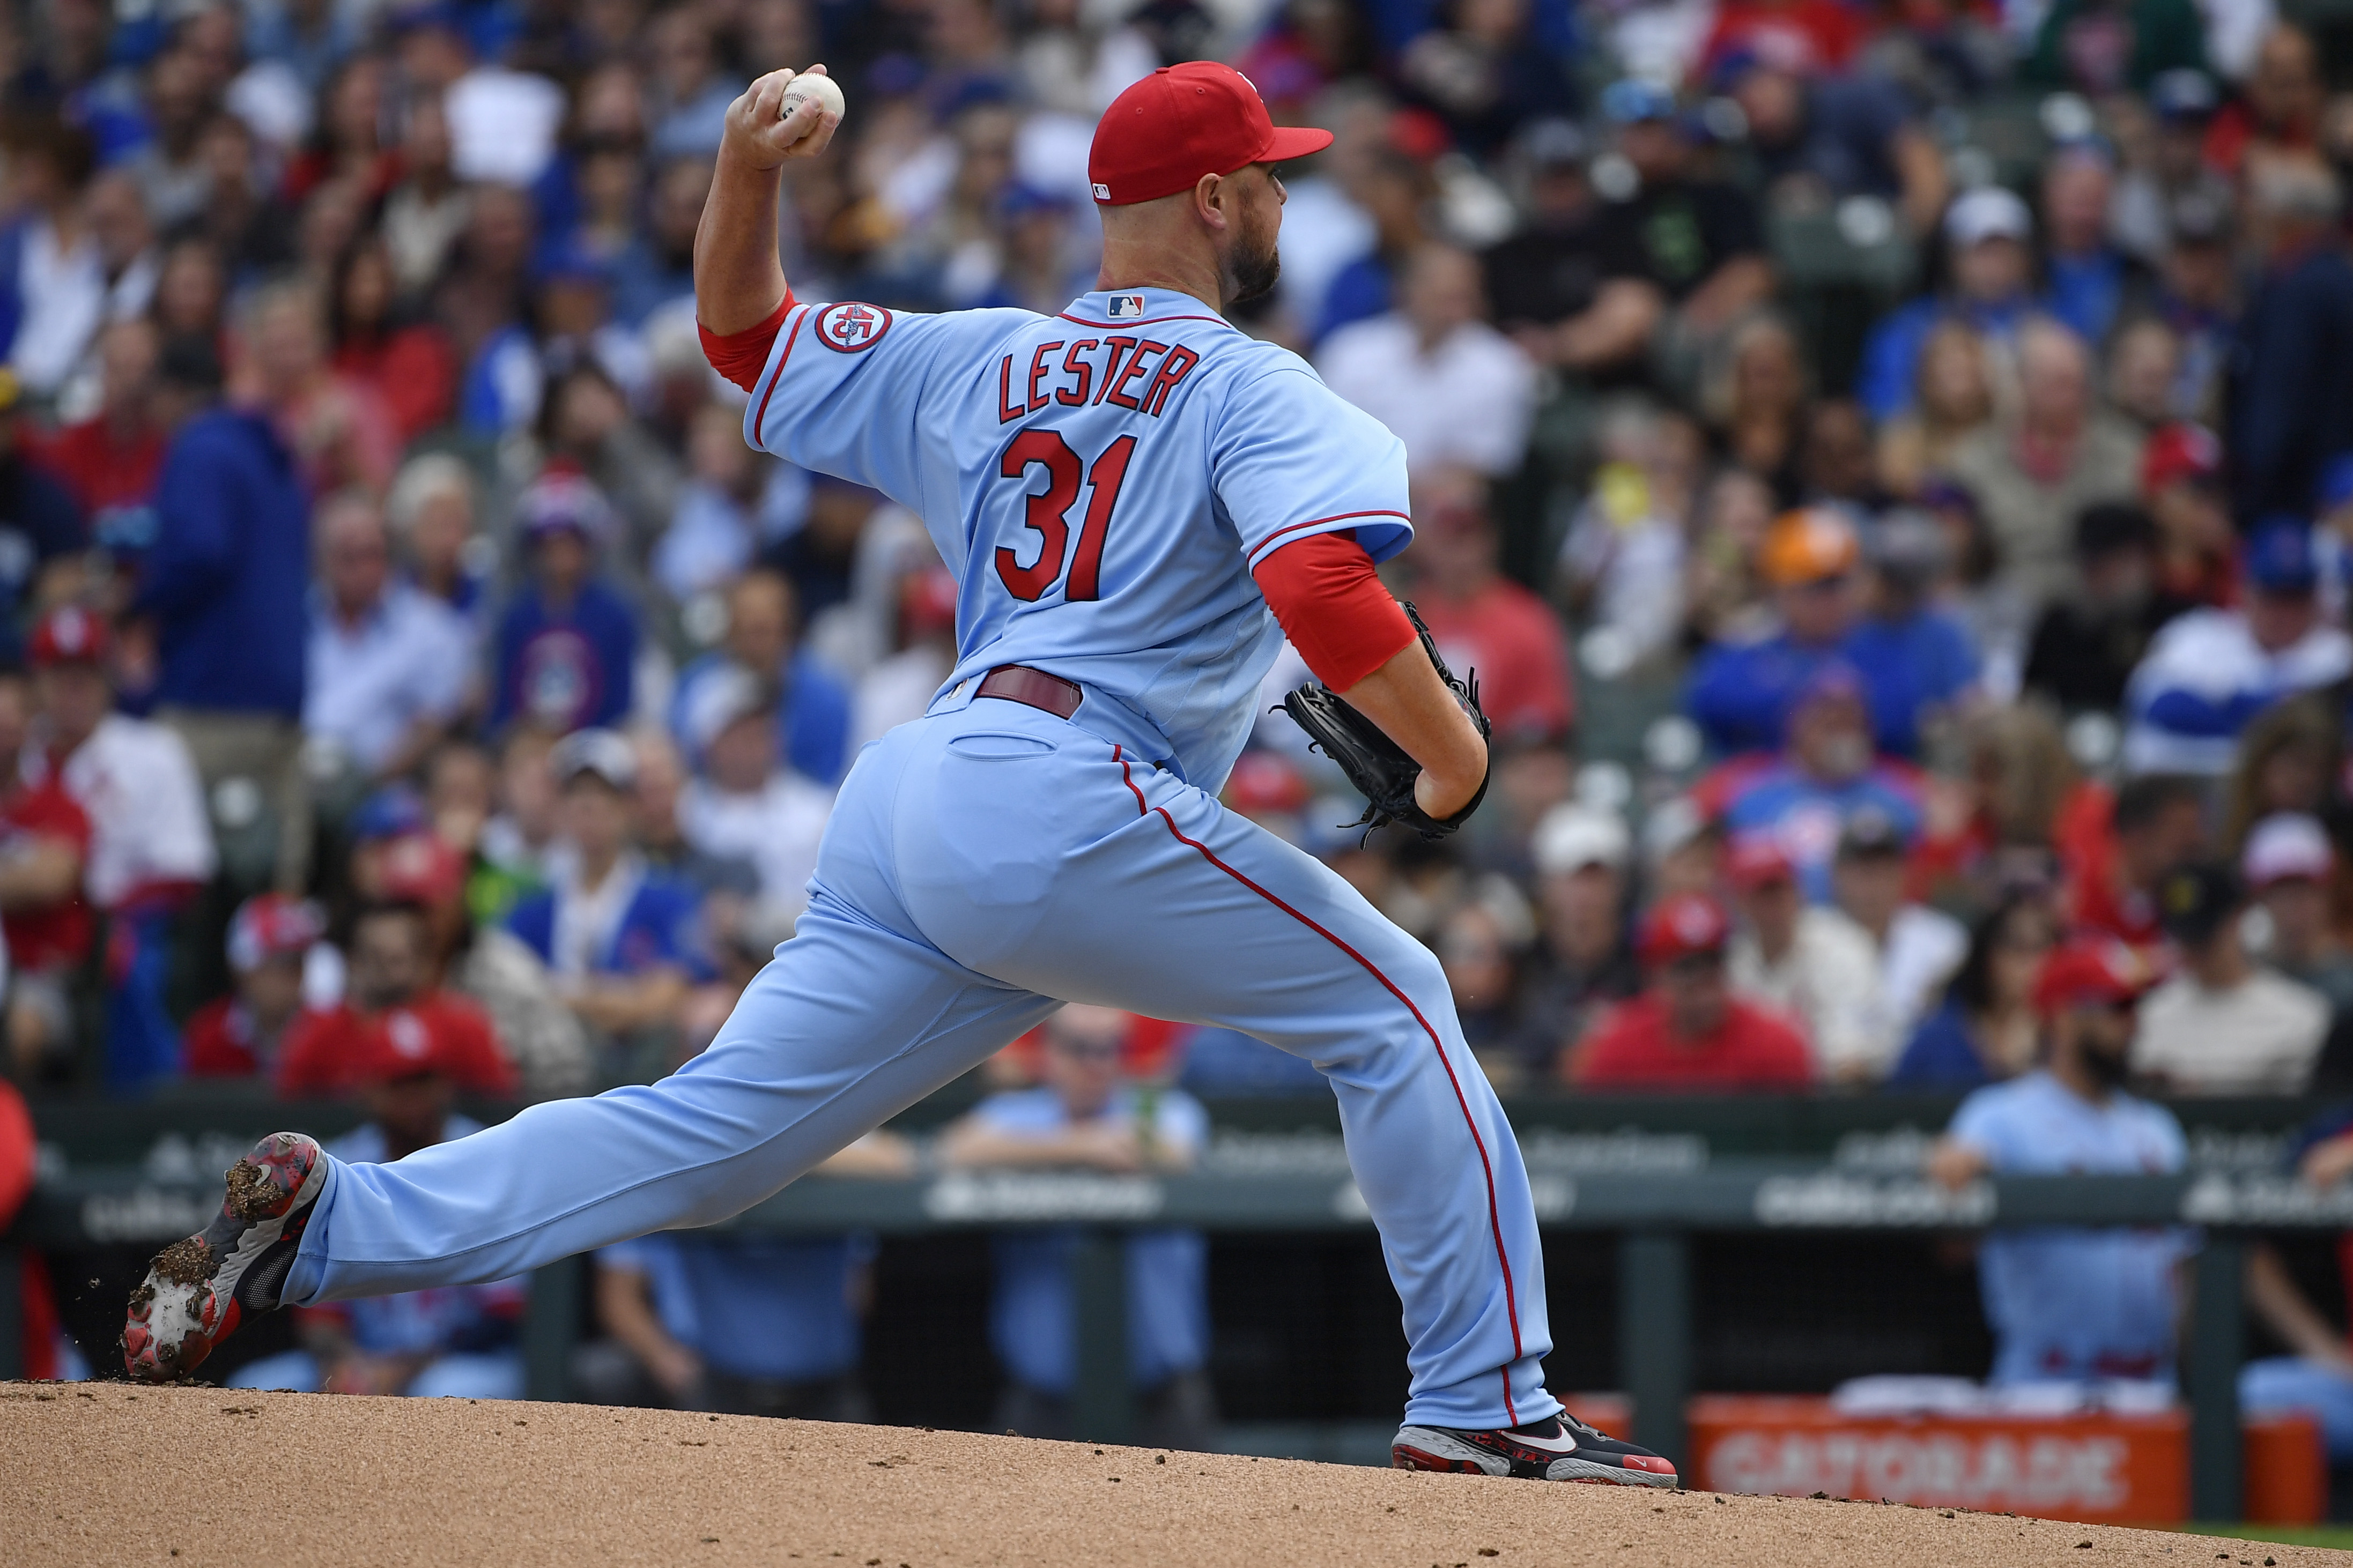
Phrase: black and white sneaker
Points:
(197, 1291)
(1559, 1448)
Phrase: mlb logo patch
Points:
(1126, 306)
(1103, 191)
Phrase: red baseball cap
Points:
(69, 634)
(271, 925)
(1682, 927)
(2101, 973)
(1181, 123)
(1756, 860)
(402, 1044)
(421, 869)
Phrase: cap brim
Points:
(1294, 141)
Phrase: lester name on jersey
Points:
(1124, 464)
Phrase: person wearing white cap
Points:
(619, 938)
(2289, 865)
(1989, 234)
(745, 804)
(1584, 962)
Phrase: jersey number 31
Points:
(1047, 512)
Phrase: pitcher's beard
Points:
(1255, 275)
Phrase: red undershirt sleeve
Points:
(742, 357)
(1333, 608)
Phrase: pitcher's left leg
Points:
(1163, 903)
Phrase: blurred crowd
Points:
(1886, 465)
(1889, 464)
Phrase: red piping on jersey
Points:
(1146, 321)
(1319, 521)
(760, 420)
(1494, 1215)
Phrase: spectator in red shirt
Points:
(43, 843)
(1482, 620)
(2197, 549)
(239, 1034)
(392, 1015)
(408, 364)
(2157, 824)
(110, 462)
(43, 1349)
(1688, 1031)
(1801, 38)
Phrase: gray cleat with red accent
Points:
(198, 1290)
(1559, 1448)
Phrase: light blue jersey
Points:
(1100, 482)
(2069, 1304)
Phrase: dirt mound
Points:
(111, 1474)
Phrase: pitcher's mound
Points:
(181, 1477)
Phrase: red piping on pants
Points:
(1495, 1217)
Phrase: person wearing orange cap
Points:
(1689, 1031)
(2075, 1305)
(1742, 694)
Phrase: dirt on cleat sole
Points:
(185, 1262)
(252, 1195)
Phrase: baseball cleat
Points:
(197, 1291)
(1561, 1448)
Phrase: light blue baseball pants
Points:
(984, 865)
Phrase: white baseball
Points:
(801, 88)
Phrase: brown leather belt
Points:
(1034, 688)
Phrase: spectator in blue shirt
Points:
(740, 1321)
(659, 265)
(39, 524)
(1919, 660)
(2087, 280)
(567, 645)
(1910, 660)
(226, 586)
(1987, 233)
(2075, 1304)
(1985, 1029)
(1837, 136)
(620, 941)
(2317, 1377)
(1828, 776)
(2208, 673)
(813, 707)
(1084, 1118)
(388, 665)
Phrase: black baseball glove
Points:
(1376, 765)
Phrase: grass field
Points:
(2338, 1537)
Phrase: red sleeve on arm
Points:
(742, 357)
(1332, 607)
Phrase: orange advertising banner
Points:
(2098, 1469)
